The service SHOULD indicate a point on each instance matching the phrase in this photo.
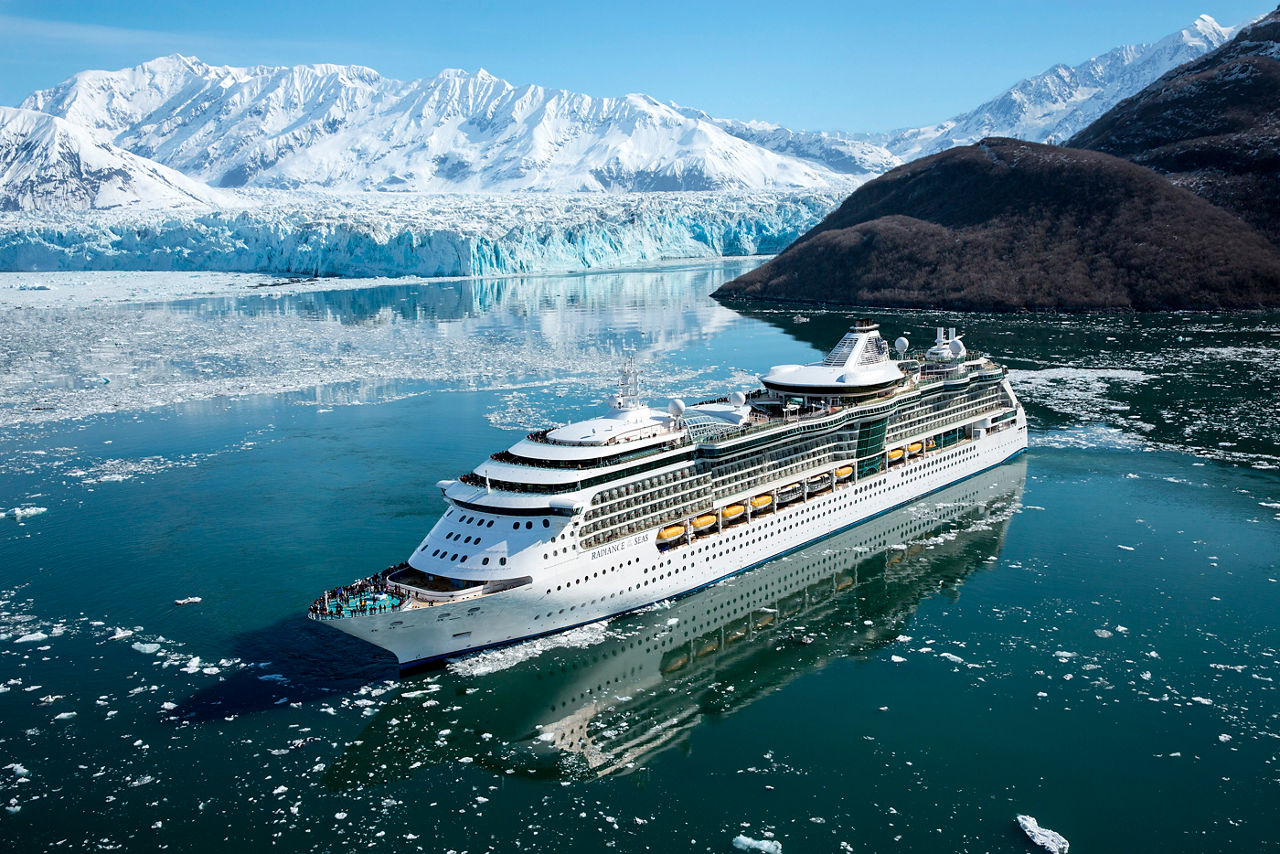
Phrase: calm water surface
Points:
(1088, 635)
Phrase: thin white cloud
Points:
(42, 30)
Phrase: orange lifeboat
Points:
(670, 533)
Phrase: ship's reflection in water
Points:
(610, 706)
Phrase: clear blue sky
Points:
(847, 65)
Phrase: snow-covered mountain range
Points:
(1051, 107)
(348, 128)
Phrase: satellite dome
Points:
(676, 407)
(957, 349)
(737, 398)
(901, 345)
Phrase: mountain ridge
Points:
(46, 161)
(349, 128)
(1058, 102)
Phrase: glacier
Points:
(372, 234)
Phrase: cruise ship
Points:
(607, 703)
(635, 506)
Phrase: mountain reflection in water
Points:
(610, 706)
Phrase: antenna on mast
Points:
(628, 396)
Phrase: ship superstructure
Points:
(602, 516)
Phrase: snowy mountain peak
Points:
(46, 162)
(1207, 33)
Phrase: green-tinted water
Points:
(1087, 635)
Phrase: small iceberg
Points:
(767, 846)
(190, 600)
(1042, 836)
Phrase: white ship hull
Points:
(633, 572)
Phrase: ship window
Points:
(454, 556)
(489, 524)
(502, 561)
(467, 540)
(546, 523)
(464, 559)
(528, 524)
(485, 562)
(515, 526)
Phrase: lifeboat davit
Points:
(761, 501)
(818, 481)
(844, 472)
(733, 512)
(790, 492)
(670, 533)
(895, 455)
(930, 444)
(704, 522)
(915, 447)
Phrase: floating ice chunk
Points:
(146, 648)
(33, 637)
(767, 846)
(21, 513)
(279, 790)
(193, 666)
(1224, 738)
(190, 600)
(1045, 838)
(1126, 548)
(1204, 701)
(64, 716)
(1122, 629)
(18, 769)
(1102, 633)
(121, 634)
(897, 659)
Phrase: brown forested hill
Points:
(1011, 225)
